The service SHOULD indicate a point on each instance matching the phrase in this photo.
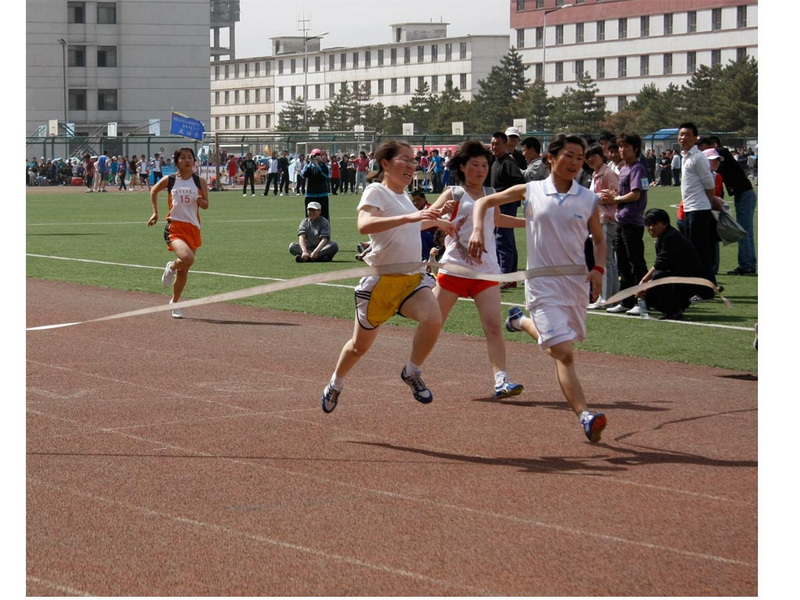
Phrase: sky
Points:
(360, 24)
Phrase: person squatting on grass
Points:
(470, 167)
(558, 212)
(393, 224)
(187, 193)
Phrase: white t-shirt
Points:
(401, 244)
(557, 228)
(456, 247)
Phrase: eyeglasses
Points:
(404, 159)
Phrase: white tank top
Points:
(183, 201)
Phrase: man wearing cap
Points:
(317, 176)
(314, 237)
(512, 133)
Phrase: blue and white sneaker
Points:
(168, 278)
(421, 391)
(593, 425)
(330, 398)
(514, 319)
(508, 389)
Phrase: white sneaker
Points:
(617, 309)
(168, 278)
(177, 313)
(598, 304)
(635, 311)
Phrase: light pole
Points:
(306, 39)
(64, 75)
(544, 39)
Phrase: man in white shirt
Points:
(697, 193)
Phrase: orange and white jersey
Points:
(183, 201)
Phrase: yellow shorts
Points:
(379, 297)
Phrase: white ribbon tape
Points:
(380, 270)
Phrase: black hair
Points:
(532, 142)
(500, 135)
(632, 139)
(467, 150)
(177, 154)
(558, 143)
(594, 149)
(656, 215)
(387, 151)
(690, 126)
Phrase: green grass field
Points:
(103, 240)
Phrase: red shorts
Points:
(462, 286)
(181, 230)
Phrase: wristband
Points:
(599, 269)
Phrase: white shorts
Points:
(556, 323)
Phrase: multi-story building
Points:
(624, 45)
(126, 62)
(248, 94)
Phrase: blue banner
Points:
(186, 126)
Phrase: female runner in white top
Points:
(560, 213)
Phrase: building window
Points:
(435, 53)
(462, 50)
(318, 91)
(236, 97)
(106, 99)
(644, 26)
(227, 97)
(579, 70)
(716, 19)
(367, 58)
(741, 53)
(716, 58)
(292, 93)
(668, 24)
(257, 69)
(258, 121)
(380, 87)
(420, 82)
(434, 84)
(741, 17)
(355, 60)
(622, 27)
(520, 38)
(268, 119)
(393, 85)
(106, 56)
(538, 72)
(520, 5)
(343, 87)
(343, 61)
(317, 63)
(539, 37)
(462, 81)
(76, 56)
(268, 67)
(227, 122)
(601, 31)
(107, 15)
(280, 94)
(280, 67)
(448, 51)
(393, 54)
(601, 68)
(420, 53)
(668, 64)
(331, 90)
(644, 65)
(559, 34)
(380, 57)
(331, 62)
(236, 122)
(579, 33)
(448, 80)
(76, 13)
(407, 85)
(216, 98)
(257, 93)
(267, 94)
(77, 99)
(691, 21)
(292, 66)
(622, 66)
(622, 102)
(559, 71)
(691, 62)
(406, 55)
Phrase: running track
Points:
(191, 458)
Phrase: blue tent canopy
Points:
(663, 134)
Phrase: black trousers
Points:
(629, 246)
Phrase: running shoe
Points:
(593, 425)
(514, 319)
(619, 308)
(508, 389)
(168, 278)
(330, 398)
(421, 391)
(177, 313)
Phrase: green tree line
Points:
(718, 98)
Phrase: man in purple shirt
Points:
(631, 199)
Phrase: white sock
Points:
(337, 382)
(584, 415)
(411, 368)
(500, 377)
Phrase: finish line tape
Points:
(381, 270)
